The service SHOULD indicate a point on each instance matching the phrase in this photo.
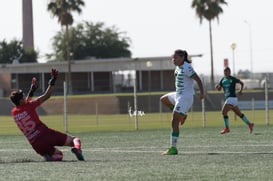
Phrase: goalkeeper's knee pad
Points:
(57, 156)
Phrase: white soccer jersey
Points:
(183, 80)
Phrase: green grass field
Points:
(114, 150)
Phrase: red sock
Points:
(77, 143)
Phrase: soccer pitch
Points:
(204, 154)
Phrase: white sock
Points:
(174, 141)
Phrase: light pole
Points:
(250, 48)
(149, 64)
(233, 47)
(135, 96)
(135, 101)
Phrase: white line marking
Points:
(144, 149)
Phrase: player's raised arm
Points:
(51, 84)
(32, 89)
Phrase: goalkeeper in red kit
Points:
(42, 139)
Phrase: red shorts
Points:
(46, 143)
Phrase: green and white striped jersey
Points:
(183, 79)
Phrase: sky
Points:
(158, 27)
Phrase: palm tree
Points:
(63, 9)
(209, 9)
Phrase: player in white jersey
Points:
(181, 100)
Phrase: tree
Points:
(92, 40)
(13, 51)
(209, 9)
(63, 9)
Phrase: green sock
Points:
(244, 118)
(174, 138)
(226, 121)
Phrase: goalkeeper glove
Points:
(54, 75)
(33, 87)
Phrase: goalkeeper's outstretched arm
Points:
(32, 89)
(51, 84)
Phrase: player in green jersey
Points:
(228, 83)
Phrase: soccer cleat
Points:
(78, 153)
(250, 126)
(170, 151)
(225, 130)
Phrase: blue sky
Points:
(158, 27)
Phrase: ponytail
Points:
(183, 53)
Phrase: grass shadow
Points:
(250, 153)
(25, 160)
